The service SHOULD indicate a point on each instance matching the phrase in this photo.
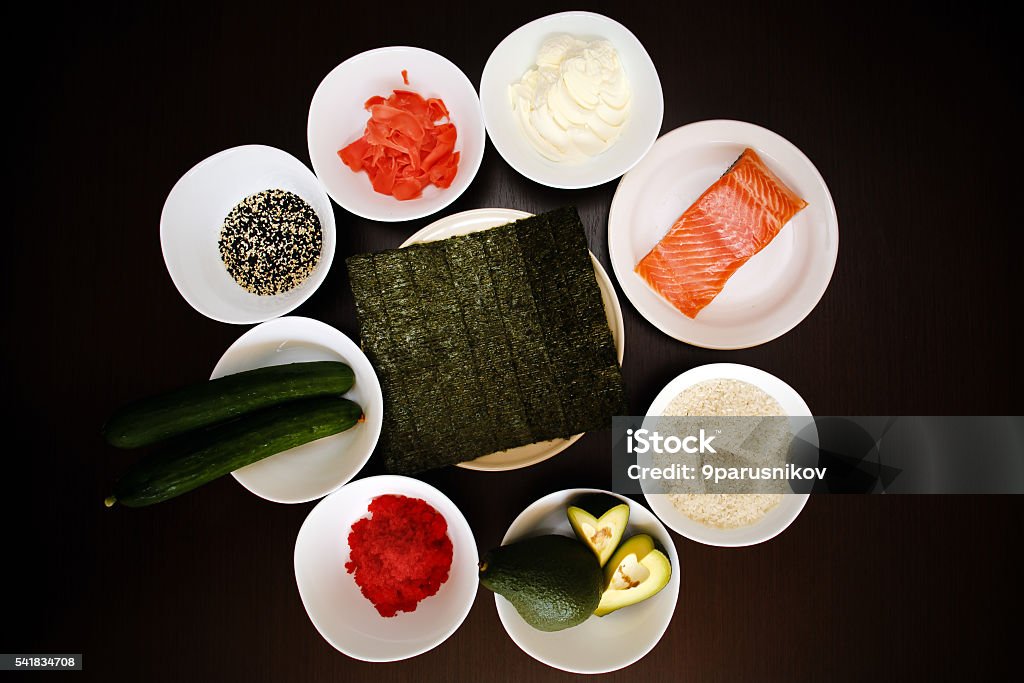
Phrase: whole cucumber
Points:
(200, 457)
(200, 405)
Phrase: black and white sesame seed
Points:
(271, 242)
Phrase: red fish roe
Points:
(400, 555)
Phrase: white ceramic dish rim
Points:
(327, 224)
(473, 162)
(622, 272)
(600, 179)
(770, 384)
(671, 589)
(604, 282)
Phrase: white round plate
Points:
(600, 644)
(314, 469)
(340, 612)
(337, 117)
(195, 210)
(481, 219)
(515, 55)
(778, 518)
(773, 291)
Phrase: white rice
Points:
(724, 397)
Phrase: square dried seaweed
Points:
(487, 341)
(532, 369)
(577, 330)
(494, 356)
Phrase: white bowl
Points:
(475, 220)
(600, 644)
(337, 117)
(341, 614)
(782, 515)
(773, 291)
(314, 469)
(515, 55)
(193, 215)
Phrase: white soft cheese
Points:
(574, 103)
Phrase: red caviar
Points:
(400, 555)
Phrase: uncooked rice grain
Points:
(724, 397)
(719, 397)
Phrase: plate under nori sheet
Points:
(487, 341)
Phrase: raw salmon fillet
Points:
(734, 219)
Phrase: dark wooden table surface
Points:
(911, 113)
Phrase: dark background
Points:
(912, 114)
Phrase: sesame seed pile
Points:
(271, 242)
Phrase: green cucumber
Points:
(201, 405)
(200, 457)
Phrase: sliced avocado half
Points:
(636, 572)
(599, 520)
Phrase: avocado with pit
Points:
(636, 572)
(554, 582)
(599, 520)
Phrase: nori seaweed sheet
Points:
(487, 341)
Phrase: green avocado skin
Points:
(554, 582)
